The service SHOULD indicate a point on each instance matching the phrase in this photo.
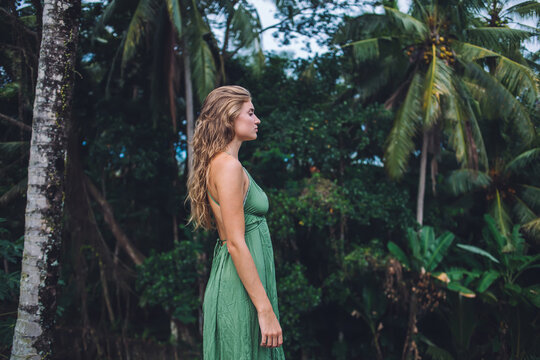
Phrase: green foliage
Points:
(297, 298)
(425, 250)
(508, 261)
(169, 280)
(10, 253)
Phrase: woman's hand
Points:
(271, 333)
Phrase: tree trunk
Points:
(422, 181)
(190, 121)
(410, 347)
(134, 254)
(45, 195)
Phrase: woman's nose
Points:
(257, 120)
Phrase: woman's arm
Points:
(229, 181)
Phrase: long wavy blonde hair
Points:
(214, 130)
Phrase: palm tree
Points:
(189, 35)
(509, 188)
(436, 72)
(45, 195)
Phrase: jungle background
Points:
(401, 165)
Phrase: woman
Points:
(240, 310)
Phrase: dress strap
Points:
(245, 197)
(214, 200)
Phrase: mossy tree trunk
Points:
(46, 171)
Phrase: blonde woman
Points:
(240, 310)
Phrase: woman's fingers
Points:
(272, 340)
(275, 341)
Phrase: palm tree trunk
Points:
(422, 180)
(45, 194)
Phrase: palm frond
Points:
(363, 50)
(519, 79)
(465, 180)
(400, 142)
(531, 195)
(361, 27)
(465, 136)
(500, 214)
(13, 192)
(532, 228)
(437, 83)
(509, 107)
(203, 64)
(522, 160)
(10, 147)
(175, 15)
(246, 26)
(413, 27)
(493, 37)
(104, 18)
(522, 211)
(526, 9)
(139, 27)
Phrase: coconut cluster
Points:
(424, 51)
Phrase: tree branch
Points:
(19, 23)
(115, 228)
(16, 122)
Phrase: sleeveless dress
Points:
(230, 323)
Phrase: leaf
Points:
(522, 160)
(498, 101)
(519, 79)
(246, 26)
(204, 67)
(400, 141)
(478, 251)
(409, 25)
(526, 9)
(500, 215)
(466, 138)
(486, 280)
(434, 351)
(532, 227)
(493, 37)
(533, 295)
(457, 287)
(414, 243)
(465, 180)
(139, 27)
(427, 238)
(522, 211)
(104, 18)
(437, 83)
(500, 240)
(444, 242)
(398, 254)
(363, 50)
(175, 15)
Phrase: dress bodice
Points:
(256, 201)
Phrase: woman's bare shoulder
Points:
(224, 165)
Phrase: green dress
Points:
(230, 323)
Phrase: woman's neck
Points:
(233, 148)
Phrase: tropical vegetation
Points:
(370, 264)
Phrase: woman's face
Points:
(246, 124)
